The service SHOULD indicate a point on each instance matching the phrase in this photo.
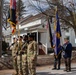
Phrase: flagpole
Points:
(18, 18)
(18, 30)
(56, 10)
(50, 33)
(57, 34)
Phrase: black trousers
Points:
(68, 64)
(57, 63)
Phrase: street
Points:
(46, 70)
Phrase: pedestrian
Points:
(57, 61)
(24, 55)
(67, 48)
(32, 55)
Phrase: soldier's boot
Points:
(25, 72)
(33, 71)
(21, 73)
(15, 74)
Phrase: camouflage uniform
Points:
(32, 57)
(24, 59)
(19, 58)
(14, 51)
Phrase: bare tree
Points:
(5, 14)
(67, 14)
(67, 11)
(20, 8)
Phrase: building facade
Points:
(38, 24)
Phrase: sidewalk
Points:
(46, 70)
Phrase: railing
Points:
(42, 49)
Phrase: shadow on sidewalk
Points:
(47, 73)
(44, 73)
(73, 72)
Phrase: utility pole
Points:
(1, 7)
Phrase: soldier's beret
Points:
(21, 37)
(31, 35)
(25, 36)
(14, 38)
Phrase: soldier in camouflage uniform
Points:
(19, 56)
(14, 51)
(24, 55)
(32, 55)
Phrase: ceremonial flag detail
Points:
(12, 15)
(57, 35)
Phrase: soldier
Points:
(14, 51)
(12, 47)
(19, 55)
(32, 55)
(24, 55)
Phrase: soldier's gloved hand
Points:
(33, 58)
(15, 58)
(63, 48)
(21, 52)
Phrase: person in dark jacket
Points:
(67, 48)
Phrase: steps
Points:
(6, 63)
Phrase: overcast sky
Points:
(32, 6)
(32, 10)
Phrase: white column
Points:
(37, 44)
(46, 43)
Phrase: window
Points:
(67, 30)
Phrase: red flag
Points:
(13, 30)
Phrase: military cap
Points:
(31, 35)
(14, 38)
(67, 38)
(25, 36)
(21, 37)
